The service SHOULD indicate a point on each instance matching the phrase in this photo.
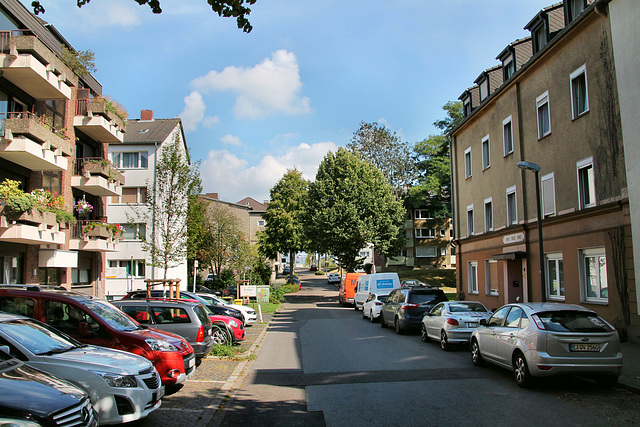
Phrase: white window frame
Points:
(470, 227)
(580, 166)
(558, 260)
(486, 153)
(472, 277)
(138, 227)
(512, 190)
(467, 164)
(262, 223)
(545, 196)
(488, 225)
(484, 89)
(443, 251)
(540, 101)
(487, 277)
(117, 158)
(573, 76)
(508, 121)
(426, 251)
(598, 254)
(430, 233)
(422, 214)
(509, 66)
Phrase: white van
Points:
(377, 283)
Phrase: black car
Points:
(405, 307)
(213, 308)
(31, 395)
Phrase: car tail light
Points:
(377, 303)
(545, 367)
(200, 337)
(409, 306)
(453, 322)
(538, 322)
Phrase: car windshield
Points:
(573, 321)
(465, 307)
(424, 297)
(111, 315)
(210, 299)
(37, 338)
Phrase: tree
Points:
(433, 190)
(284, 217)
(166, 210)
(223, 238)
(387, 152)
(224, 8)
(349, 205)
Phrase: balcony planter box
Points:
(99, 106)
(28, 124)
(97, 230)
(32, 216)
(100, 168)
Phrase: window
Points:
(555, 276)
(425, 233)
(513, 318)
(135, 160)
(548, 195)
(443, 251)
(443, 233)
(586, 183)
(486, 156)
(261, 223)
(426, 251)
(467, 107)
(497, 318)
(579, 95)
(54, 113)
(544, 118)
(491, 276)
(52, 181)
(470, 220)
(507, 136)
(508, 67)
(473, 277)
(131, 195)
(594, 275)
(134, 231)
(539, 35)
(488, 215)
(576, 7)
(484, 89)
(422, 214)
(136, 266)
(467, 162)
(512, 212)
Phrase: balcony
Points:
(94, 236)
(97, 176)
(30, 65)
(31, 154)
(31, 227)
(37, 130)
(96, 118)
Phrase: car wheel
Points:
(521, 371)
(444, 342)
(382, 322)
(476, 356)
(371, 318)
(423, 333)
(607, 381)
(220, 336)
(396, 324)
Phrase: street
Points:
(322, 364)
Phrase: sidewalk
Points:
(630, 377)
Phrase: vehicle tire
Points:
(476, 356)
(364, 316)
(355, 306)
(382, 322)
(399, 329)
(521, 371)
(607, 381)
(444, 342)
(423, 333)
(220, 336)
(371, 318)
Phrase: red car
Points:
(233, 324)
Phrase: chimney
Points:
(146, 115)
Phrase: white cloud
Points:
(193, 113)
(116, 13)
(270, 87)
(234, 179)
(231, 140)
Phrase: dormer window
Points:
(539, 35)
(484, 89)
(508, 67)
(467, 107)
(575, 8)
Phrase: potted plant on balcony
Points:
(83, 208)
(116, 230)
(96, 229)
(20, 206)
(53, 202)
(102, 167)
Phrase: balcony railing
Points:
(94, 236)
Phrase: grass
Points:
(266, 307)
(226, 351)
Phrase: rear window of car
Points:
(573, 321)
(382, 298)
(422, 297)
(202, 314)
(465, 307)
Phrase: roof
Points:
(253, 203)
(149, 131)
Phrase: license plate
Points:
(158, 395)
(584, 347)
(472, 325)
(192, 362)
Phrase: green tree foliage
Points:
(349, 205)
(387, 152)
(223, 238)
(224, 8)
(81, 62)
(166, 210)
(433, 190)
(284, 217)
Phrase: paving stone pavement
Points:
(196, 401)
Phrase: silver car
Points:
(452, 322)
(546, 339)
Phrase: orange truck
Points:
(348, 286)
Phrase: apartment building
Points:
(55, 131)
(552, 102)
(136, 157)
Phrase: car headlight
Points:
(159, 345)
(17, 422)
(251, 312)
(115, 380)
(233, 323)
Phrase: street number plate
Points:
(584, 347)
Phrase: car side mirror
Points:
(83, 330)
(5, 349)
(483, 322)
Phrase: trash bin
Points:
(238, 301)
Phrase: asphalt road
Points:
(322, 364)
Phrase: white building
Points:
(136, 157)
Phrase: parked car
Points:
(452, 322)
(546, 339)
(95, 321)
(123, 387)
(248, 313)
(286, 270)
(348, 288)
(378, 283)
(190, 320)
(230, 292)
(373, 305)
(313, 267)
(333, 278)
(405, 307)
(411, 282)
(235, 327)
(31, 397)
(295, 280)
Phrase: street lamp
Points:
(536, 168)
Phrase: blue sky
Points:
(254, 105)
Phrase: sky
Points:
(299, 85)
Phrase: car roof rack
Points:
(36, 288)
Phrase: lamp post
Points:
(536, 168)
